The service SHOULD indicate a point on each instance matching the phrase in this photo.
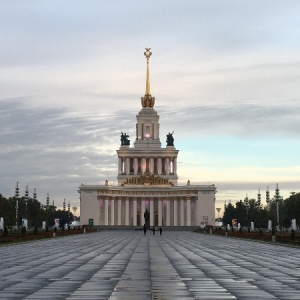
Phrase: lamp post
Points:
(268, 197)
(47, 201)
(277, 197)
(69, 210)
(218, 210)
(17, 191)
(26, 200)
(74, 210)
(259, 198)
(25, 223)
(247, 206)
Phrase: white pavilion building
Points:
(147, 190)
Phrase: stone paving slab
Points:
(128, 265)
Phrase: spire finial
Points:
(147, 54)
(147, 100)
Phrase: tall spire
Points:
(147, 54)
(147, 100)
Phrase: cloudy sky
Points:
(225, 75)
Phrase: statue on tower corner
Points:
(124, 139)
(170, 139)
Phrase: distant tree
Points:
(241, 213)
(229, 214)
(8, 210)
(34, 212)
(290, 209)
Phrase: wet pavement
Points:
(128, 265)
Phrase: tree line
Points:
(245, 212)
(32, 210)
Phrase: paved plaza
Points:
(128, 265)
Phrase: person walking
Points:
(145, 229)
(153, 229)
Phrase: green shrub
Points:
(55, 229)
(273, 231)
(292, 234)
(23, 230)
(5, 232)
(260, 232)
(35, 230)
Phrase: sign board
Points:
(91, 222)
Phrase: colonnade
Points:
(128, 211)
(154, 165)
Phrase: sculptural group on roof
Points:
(124, 139)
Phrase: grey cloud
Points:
(236, 119)
(57, 32)
(54, 149)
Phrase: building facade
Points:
(147, 190)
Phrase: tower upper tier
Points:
(147, 127)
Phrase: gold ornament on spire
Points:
(147, 100)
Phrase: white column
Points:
(98, 213)
(112, 212)
(120, 166)
(127, 211)
(140, 137)
(135, 165)
(168, 213)
(134, 212)
(159, 164)
(181, 211)
(151, 165)
(175, 166)
(151, 203)
(159, 212)
(142, 211)
(143, 165)
(188, 211)
(127, 165)
(119, 211)
(175, 211)
(106, 211)
(167, 165)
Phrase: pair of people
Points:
(160, 230)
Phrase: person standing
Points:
(160, 230)
(145, 229)
(153, 229)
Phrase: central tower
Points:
(147, 126)
(147, 157)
